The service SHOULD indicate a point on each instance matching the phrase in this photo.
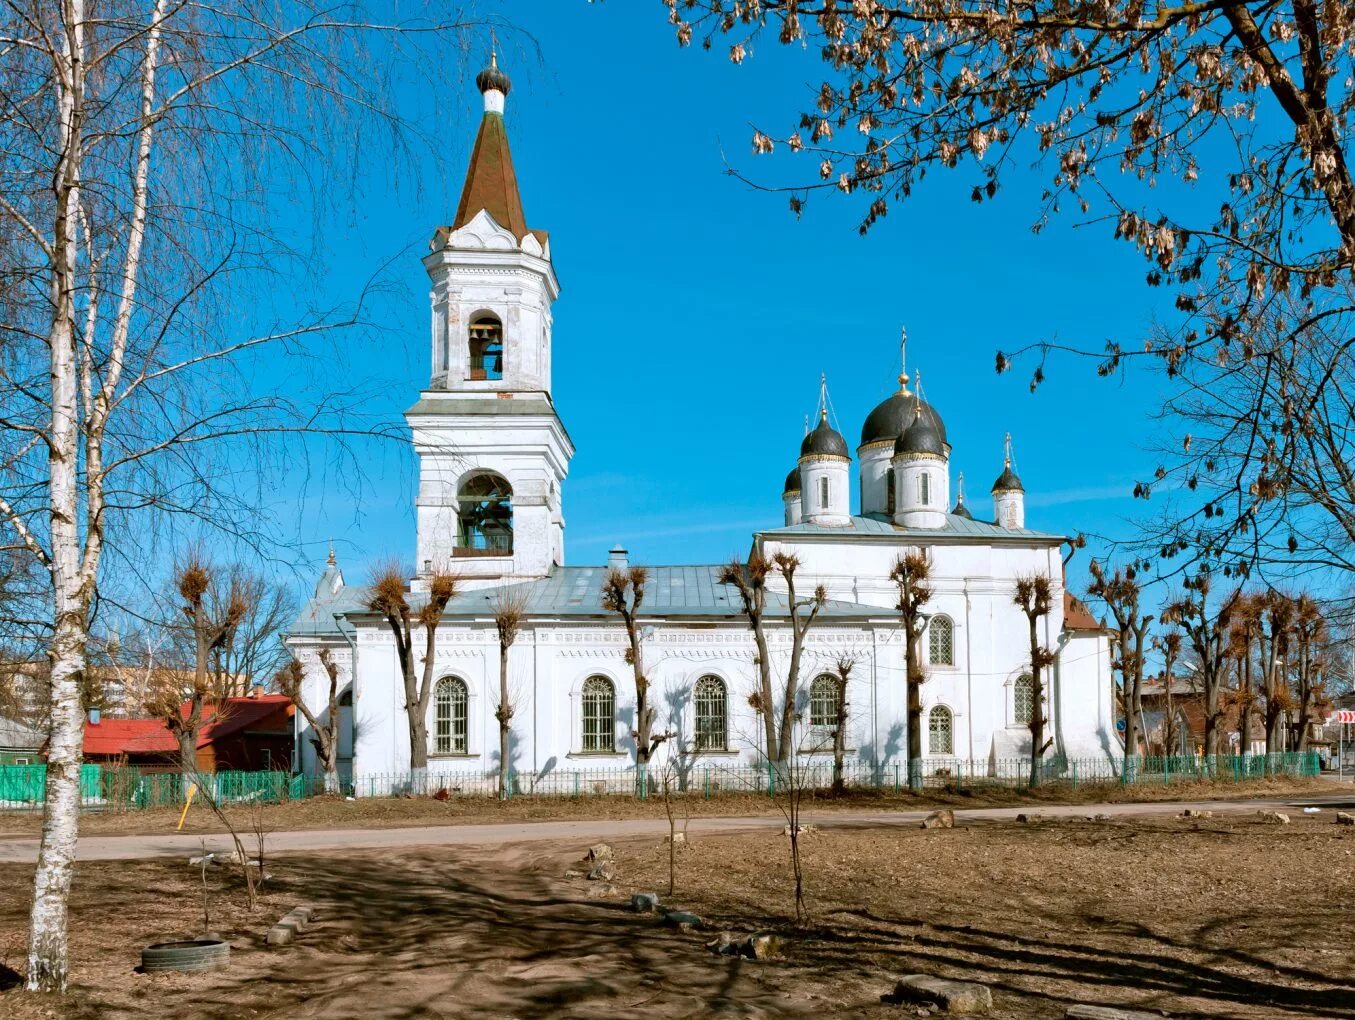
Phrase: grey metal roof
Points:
(956, 527)
(682, 591)
(15, 736)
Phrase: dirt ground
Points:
(1226, 917)
(389, 812)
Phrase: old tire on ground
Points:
(192, 955)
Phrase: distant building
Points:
(20, 744)
(248, 734)
(493, 459)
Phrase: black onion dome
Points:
(492, 78)
(891, 417)
(824, 441)
(792, 482)
(920, 437)
(962, 511)
(1008, 482)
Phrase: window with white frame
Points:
(940, 731)
(712, 725)
(599, 714)
(823, 493)
(941, 641)
(1023, 699)
(924, 488)
(823, 702)
(449, 716)
(891, 496)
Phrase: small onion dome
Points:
(890, 418)
(492, 78)
(961, 510)
(1008, 482)
(792, 482)
(920, 437)
(824, 441)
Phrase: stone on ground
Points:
(1273, 817)
(1081, 1012)
(954, 997)
(803, 830)
(682, 920)
(603, 872)
(943, 819)
(1345, 818)
(680, 838)
(763, 945)
(1196, 813)
(727, 943)
(644, 902)
(1029, 819)
(599, 852)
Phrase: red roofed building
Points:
(252, 734)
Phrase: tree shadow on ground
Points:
(426, 934)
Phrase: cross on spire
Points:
(903, 359)
(1007, 451)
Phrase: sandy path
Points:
(112, 848)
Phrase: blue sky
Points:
(697, 313)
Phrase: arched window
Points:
(712, 729)
(891, 497)
(449, 716)
(486, 347)
(484, 519)
(823, 493)
(599, 714)
(1023, 699)
(941, 641)
(823, 702)
(940, 731)
(924, 488)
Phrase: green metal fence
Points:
(126, 789)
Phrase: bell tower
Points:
(493, 454)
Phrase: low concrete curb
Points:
(293, 923)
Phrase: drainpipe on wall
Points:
(536, 767)
(969, 671)
(353, 696)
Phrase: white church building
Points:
(493, 459)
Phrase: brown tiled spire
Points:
(491, 183)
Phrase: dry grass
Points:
(390, 812)
(1222, 918)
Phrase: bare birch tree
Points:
(389, 597)
(324, 728)
(146, 143)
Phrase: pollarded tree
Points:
(1035, 598)
(910, 575)
(751, 581)
(1310, 638)
(1244, 633)
(1276, 638)
(212, 624)
(623, 593)
(509, 613)
(1206, 627)
(290, 680)
(842, 667)
(389, 597)
(1168, 645)
(1120, 591)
